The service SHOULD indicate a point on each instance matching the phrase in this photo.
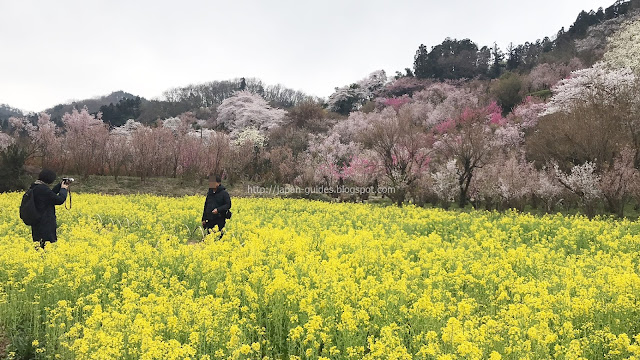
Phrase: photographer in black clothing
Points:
(46, 200)
(216, 206)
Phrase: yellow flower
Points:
(245, 349)
(129, 278)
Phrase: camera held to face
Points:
(67, 180)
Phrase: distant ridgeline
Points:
(451, 60)
(462, 59)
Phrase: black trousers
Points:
(39, 241)
(220, 222)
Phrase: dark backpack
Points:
(28, 212)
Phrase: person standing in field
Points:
(46, 200)
(216, 206)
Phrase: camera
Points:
(67, 180)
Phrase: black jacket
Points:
(220, 200)
(46, 200)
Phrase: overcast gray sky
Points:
(55, 51)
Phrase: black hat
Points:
(47, 176)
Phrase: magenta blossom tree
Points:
(469, 139)
(402, 147)
(327, 155)
(118, 154)
(394, 102)
(85, 140)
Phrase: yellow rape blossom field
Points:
(296, 279)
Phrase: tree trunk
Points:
(465, 180)
(616, 206)
(399, 197)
